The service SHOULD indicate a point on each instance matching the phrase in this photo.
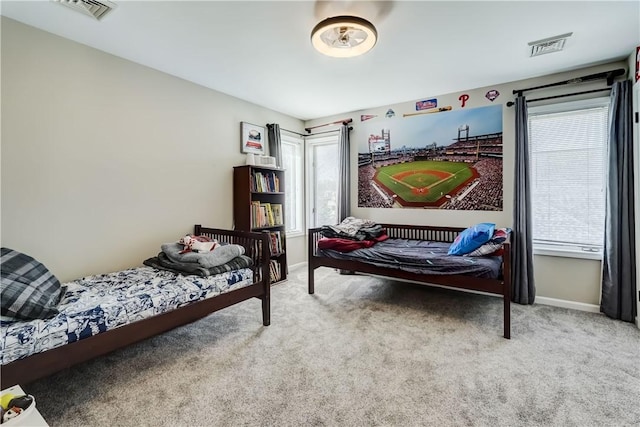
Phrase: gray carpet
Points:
(362, 351)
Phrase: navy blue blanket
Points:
(422, 257)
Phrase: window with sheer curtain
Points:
(323, 178)
(292, 161)
(567, 145)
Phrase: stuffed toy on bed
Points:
(198, 244)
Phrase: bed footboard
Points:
(256, 246)
(501, 286)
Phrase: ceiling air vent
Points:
(96, 9)
(548, 45)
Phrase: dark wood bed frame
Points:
(46, 363)
(501, 286)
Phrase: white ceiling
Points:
(261, 51)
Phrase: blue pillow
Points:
(472, 238)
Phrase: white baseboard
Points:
(297, 265)
(592, 308)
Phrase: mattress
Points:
(421, 257)
(96, 304)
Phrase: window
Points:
(568, 165)
(323, 180)
(292, 155)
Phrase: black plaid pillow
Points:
(29, 290)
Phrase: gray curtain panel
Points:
(523, 285)
(275, 143)
(619, 266)
(344, 187)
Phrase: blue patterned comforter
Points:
(99, 303)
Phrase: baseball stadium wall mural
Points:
(438, 159)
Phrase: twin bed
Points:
(102, 313)
(419, 254)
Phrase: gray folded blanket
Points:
(218, 256)
(162, 262)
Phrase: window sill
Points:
(291, 234)
(566, 253)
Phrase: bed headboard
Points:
(422, 232)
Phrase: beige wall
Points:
(562, 278)
(104, 159)
(570, 279)
(296, 249)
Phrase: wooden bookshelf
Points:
(258, 205)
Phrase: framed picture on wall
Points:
(253, 138)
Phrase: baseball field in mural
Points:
(423, 181)
(448, 160)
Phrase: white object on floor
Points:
(30, 418)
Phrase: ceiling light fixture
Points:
(344, 36)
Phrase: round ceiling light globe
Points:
(344, 36)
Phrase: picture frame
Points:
(253, 138)
(637, 63)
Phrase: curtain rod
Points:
(292, 131)
(326, 131)
(609, 75)
(342, 121)
(511, 103)
(286, 130)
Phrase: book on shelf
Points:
(271, 182)
(267, 182)
(275, 243)
(274, 270)
(255, 214)
(264, 215)
(259, 215)
(277, 213)
(257, 182)
(269, 214)
(279, 241)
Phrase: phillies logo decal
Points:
(463, 100)
(426, 104)
(364, 117)
(492, 95)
